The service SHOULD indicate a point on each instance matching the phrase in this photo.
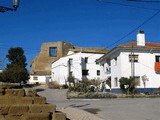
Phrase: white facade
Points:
(79, 65)
(117, 63)
(39, 79)
(122, 68)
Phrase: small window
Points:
(52, 51)
(35, 78)
(115, 61)
(108, 70)
(84, 72)
(97, 63)
(70, 61)
(157, 58)
(133, 58)
(116, 82)
(98, 72)
(86, 60)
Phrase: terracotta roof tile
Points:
(147, 44)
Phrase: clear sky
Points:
(86, 23)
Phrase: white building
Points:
(146, 66)
(79, 63)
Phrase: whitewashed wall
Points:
(60, 67)
(144, 66)
(40, 79)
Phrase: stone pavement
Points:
(72, 113)
(77, 114)
(107, 109)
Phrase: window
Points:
(97, 63)
(98, 72)
(116, 82)
(86, 60)
(115, 61)
(108, 70)
(52, 51)
(70, 61)
(157, 58)
(84, 72)
(133, 57)
(35, 78)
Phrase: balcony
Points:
(157, 67)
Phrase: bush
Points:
(85, 86)
(54, 85)
(127, 85)
(64, 86)
(91, 95)
(100, 95)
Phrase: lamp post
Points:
(15, 6)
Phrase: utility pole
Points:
(132, 61)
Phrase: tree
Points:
(16, 71)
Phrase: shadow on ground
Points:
(40, 89)
(92, 110)
(74, 105)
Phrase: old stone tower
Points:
(51, 51)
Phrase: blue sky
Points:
(86, 23)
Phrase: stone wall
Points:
(41, 65)
(20, 104)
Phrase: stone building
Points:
(41, 65)
(50, 52)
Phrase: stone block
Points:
(18, 109)
(45, 108)
(4, 100)
(31, 92)
(25, 100)
(2, 117)
(15, 92)
(20, 100)
(12, 117)
(36, 116)
(59, 116)
(4, 109)
(7, 100)
(39, 100)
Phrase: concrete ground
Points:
(106, 109)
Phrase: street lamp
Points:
(15, 6)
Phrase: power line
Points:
(148, 1)
(146, 21)
(126, 5)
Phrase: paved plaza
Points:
(107, 109)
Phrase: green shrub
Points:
(127, 85)
(85, 86)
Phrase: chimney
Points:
(140, 38)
